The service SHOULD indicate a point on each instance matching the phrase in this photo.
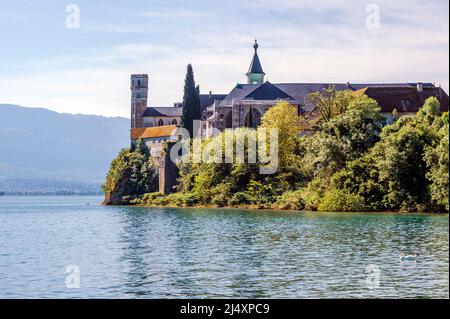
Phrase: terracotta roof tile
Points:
(153, 132)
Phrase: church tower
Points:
(255, 74)
(139, 91)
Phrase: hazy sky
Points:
(86, 70)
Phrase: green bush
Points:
(290, 200)
(221, 195)
(341, 201)
(259, 193)
(239, 198)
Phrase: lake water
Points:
(129, 252)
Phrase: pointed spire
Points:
(255, 72)
(255, 65)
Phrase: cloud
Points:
(300, 41)
(173, 13)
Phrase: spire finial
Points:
(255, 46)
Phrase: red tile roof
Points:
(153, 132)
(404, 99)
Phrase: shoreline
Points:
(268, 209)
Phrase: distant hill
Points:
(56, 152)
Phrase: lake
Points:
(71, 247)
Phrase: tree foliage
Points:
(436, 158)
(349, 163)
(407, 169)
(191, 101)
(131, 173)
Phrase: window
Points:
(160, 122)
(229, 120)
(174, 122)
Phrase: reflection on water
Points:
(128, 252)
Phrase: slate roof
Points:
(389, 95)
(255, 65)
(176, 111)
(402, 96)
(208, 99)
(163, 111)
(268, 91)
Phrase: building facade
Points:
(246, 104)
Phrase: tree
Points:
(284, 117)
(342, 138)
(131, 173)
(191, 102)
(330, 102)
(437, 160)
(395, 174)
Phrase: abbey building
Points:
(246, 103)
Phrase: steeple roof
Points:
(255, 65)
(268, 91)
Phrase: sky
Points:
(49, 60)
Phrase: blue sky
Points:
(86, 70)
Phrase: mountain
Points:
(56, 152)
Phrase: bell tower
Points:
(139, 92)
(255, 74)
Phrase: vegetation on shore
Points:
(343, 160)
(131, 174)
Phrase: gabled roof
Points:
(153, 132)
(239, 92)
(163, 111)
(176, 111)
(403, 98)
(268, 91)
(208, 99)
(299, 91)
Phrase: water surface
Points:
(129, 252)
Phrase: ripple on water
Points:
(126, 252)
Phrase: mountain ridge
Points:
(41, 144)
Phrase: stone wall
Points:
(168, 172)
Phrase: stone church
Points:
(232, 110)
(245, 105)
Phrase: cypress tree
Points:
(191, 101)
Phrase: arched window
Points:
(253, 120)
(160, 122)
(229, 120)
(174, 122)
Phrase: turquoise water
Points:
(128, 252)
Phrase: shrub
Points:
(290, 200)
(239, 198)
(259, 193)
(342, 201)
(221, 194)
